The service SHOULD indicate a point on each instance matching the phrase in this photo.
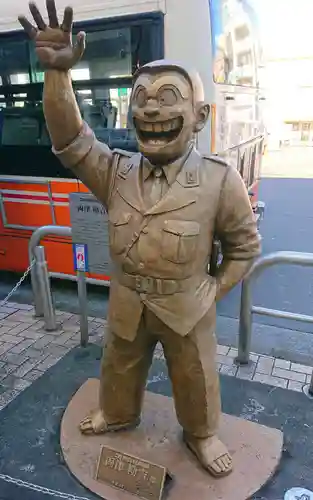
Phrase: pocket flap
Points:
(119, 219)
(182, 227)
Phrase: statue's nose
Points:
(151, 112)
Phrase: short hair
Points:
(190, 74)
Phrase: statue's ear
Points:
(202, 113)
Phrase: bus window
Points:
(102, 85)
(14, 62)
(233, 43)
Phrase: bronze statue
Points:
(165, 204)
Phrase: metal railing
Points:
(5, 196)
(44, 307)
(247, 309)
(40, 278)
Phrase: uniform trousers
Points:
(192, 370)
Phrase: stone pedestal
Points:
(256, 450)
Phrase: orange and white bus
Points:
(217, 37)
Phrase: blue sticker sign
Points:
(80, 257)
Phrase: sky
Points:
(287, 27)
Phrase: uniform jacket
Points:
(161, 254)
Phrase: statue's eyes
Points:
(141, 97)
(167, 97)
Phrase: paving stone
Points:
(62, 338)
(23, 317)
(246, 372)
(295, 386)
(268, 379)
(4, 329)
(6, 309)
(6, 370)
(8, 396)
(47, 363)
(15, 383)
(33, 375)
(24, 307)
(71, 343)
(45, 333)
(14, 359)
(35, 354)
(12, 339)
(25, 368)
(102, 321)
(224, 360)
(96, 324)
(233, 353)
(265, 365)
(16, 330)
(2, 363)
(3, 315)
(254, 357)
(308, 379)
(31, 334)
(24, 344)
(5, 346)
(70, 328)
(43, 342)
(57, 351)
(12, 324)
(222, 349)
(229, 370)
(288, 374)
(301, 368)
(281, 363)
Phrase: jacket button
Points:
(141, 265)
(145, 230)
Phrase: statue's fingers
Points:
(28, 27)
(52, 14)
(67, 23)
(37, 16)
(79, 47)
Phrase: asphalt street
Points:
(286, 188)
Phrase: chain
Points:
(40, 489)
(18, 284)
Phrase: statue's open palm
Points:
(54, 46)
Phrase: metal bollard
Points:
(310, 388)
(83, 312)
(36, 292)
(245, 324)
(45, 289)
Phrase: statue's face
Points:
(164, 115)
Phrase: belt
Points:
(150, 285)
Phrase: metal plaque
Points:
(131, 474)
(298, 494)
(89, 221)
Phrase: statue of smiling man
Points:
(164, 205)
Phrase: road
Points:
(286, 188)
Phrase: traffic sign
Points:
(80, 257)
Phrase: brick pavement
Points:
(27, 351)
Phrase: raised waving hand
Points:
(54, 46)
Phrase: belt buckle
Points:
(143, 284)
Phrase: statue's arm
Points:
(237, 232)
(74, 143)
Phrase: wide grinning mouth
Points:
(159, 132)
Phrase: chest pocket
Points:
(179, 240)
(119, 232)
